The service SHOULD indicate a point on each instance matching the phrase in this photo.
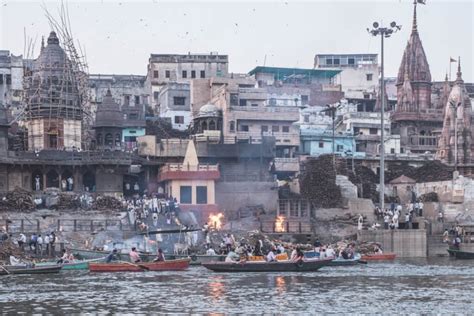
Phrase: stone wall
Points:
(405, 243)
(230, 196)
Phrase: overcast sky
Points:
(119, 36)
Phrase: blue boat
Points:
(338, 262)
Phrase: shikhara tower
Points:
(415, 118)
(457, 125)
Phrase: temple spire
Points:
(42, 43)
(459, 73)
(415, 25)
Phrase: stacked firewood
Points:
(17, 200)
(107, 203)
(318, 182)
(68, 201)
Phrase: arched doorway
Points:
(109, 140)
(88, 179)
(52, 179)
(67, 181)
(37, 180)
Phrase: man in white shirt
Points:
(46, 241)
(330, 252)
(40, 244)
(271, 257)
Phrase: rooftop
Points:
(283, 72)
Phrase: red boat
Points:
(122, 266)
(378, 257)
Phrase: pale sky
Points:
(119, 36)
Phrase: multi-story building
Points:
(166, 68)
(359, 73)
(175, 104)
(11, 80)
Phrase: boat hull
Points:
(81, 265)
(338, 262)
(197, 260)
(458, 254)
(34, 270)
(257, 266)
(171, 265)
(379, 257)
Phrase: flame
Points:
(215, 221)
(280, 224)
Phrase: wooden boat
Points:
(122, 266)
(76, 265)
(337, 262)
(379, 257)
(29, 270)
(262, 266)
(197, 260)
(96, 254)
(459, 254)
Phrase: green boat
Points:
(77, 265)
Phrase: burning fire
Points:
(215, 221)
(280, 224)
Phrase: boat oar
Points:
(5, 269)
(136, 265)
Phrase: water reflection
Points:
(412, 287)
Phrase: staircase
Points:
(436, 246)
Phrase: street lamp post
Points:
(383, 32)
(332, 108)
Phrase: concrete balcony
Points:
(187, 172)
(267, 113)
(281, 139)
(287, 164)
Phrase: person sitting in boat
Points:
(294, 253)
(297, 254)
(271, 257)
(378, 250)
(210, 252)
(457, 242)
(64, 258)
(111, 256)
(330, 253)
(280, 249)
(160, 256)
(258, 249)
(134, 256)
(322, 253)
(232, 256)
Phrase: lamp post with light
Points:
(383, 32)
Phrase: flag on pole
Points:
(421, 1)
(452, 60)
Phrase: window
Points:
(285, 129)
(392, 150)
(179, 119)
(1, 78)
(179, 100)
(372, 131)
(193, 73)
(275, 128)
(321, 145)
(351, 61)
(9, 79)
(137, 100)
(232, 126)
(306, 118)
(133, 116)
(234, 99)
(254, 104)
(184, 74)
(273, 101)
(328, 61)
(356, 130)
(244, 128)
(155, 74)
(264, 128)
(167, 74)
(156, 94)
(243, 102)
(304, 99)
(339, 148)
(369, 77)
(126, 99)
(203, 74)
(185, 194)
(201, 195)
(336, 61)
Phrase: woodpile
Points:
(318, 183)
(107, 203)
(68, 201)
(7, 249)
(429, 197)
(17, 200)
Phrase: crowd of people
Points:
(139, 208)
(397, 217)
(39, 244)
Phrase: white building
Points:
(174, 100)
(359, 75)
(11, 80)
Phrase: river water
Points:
(418, 286)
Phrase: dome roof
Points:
(52, 56)
(209, 110)
(108, 113)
